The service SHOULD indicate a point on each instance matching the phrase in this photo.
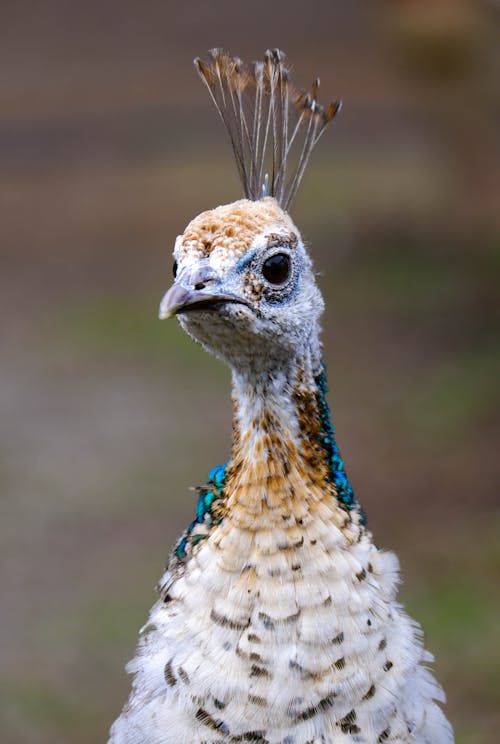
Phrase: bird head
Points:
(244, 285)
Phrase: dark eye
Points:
(174, 269)
(276, 269)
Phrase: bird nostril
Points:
(203, 277)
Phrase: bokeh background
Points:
(108, 147)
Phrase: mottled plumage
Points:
(277, 619)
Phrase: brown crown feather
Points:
(267, 118)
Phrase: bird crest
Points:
(272, 125)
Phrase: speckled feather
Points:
(277, 619)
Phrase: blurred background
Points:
(109, 145)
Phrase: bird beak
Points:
(180, 299)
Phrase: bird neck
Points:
(284, 451)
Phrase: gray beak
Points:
(198, 290)
(178, 299)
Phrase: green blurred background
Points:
(108, 147)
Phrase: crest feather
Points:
(270, 123)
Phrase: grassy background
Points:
(108, 146)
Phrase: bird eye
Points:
(174, 269)
(276, 269)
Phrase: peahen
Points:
(277, 619)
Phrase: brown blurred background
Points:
(108, 147)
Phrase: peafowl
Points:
(277, 619)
